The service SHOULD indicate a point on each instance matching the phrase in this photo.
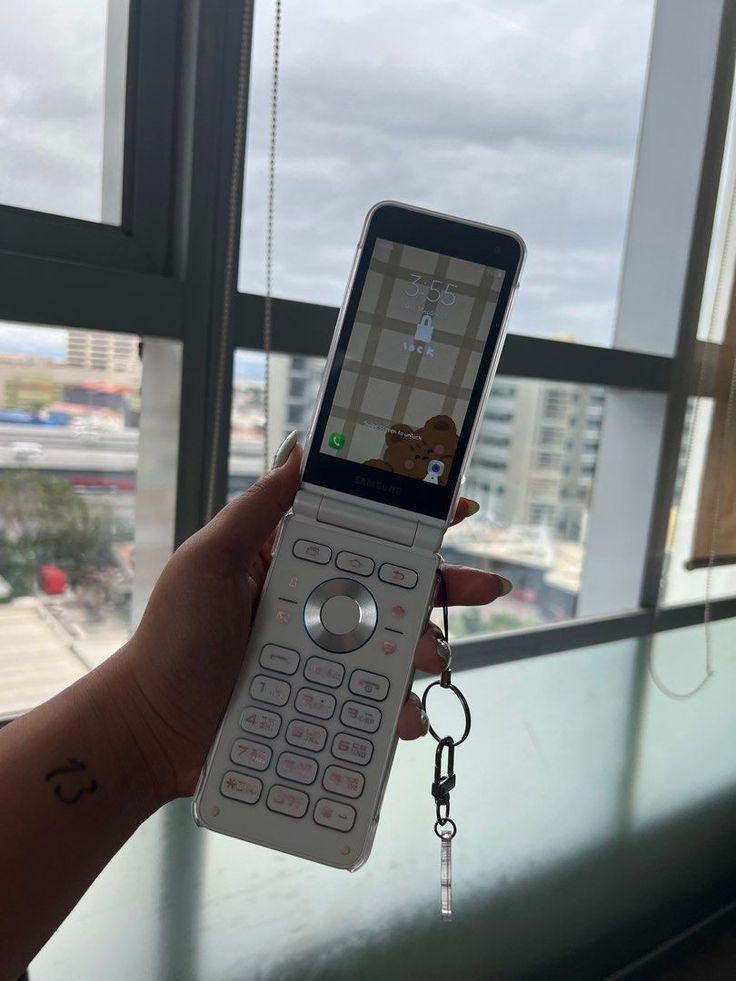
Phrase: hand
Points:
(178, 670)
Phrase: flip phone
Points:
(303, 754)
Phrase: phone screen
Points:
(420, 330)
(411, 361)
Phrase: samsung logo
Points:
(378, 485)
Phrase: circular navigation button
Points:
(340, 615)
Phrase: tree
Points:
(43, 520)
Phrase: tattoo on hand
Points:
(68, 789)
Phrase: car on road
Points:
(26, 451)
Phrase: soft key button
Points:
(406, 578)
(324, 672)
(331, 814)
(262, 723)
(239, 786)
(247, 753)
(300, 769)
(347, 747)
(347, 783)
(312, 552)
(270, 690)
(280, 659)
(284, 800)
(306, 735)
(365, 717)
(361, 565)
(316, 703)
(369, 685)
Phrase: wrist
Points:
(149, 771)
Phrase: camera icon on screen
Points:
(434, 472)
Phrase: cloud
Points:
(521, 114)
(52, 65)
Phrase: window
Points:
(62, 79)
(540, 514)
(491, 440)
(551, 437)
(503, 390)
(571, 277)
(555, 404)
(549, 460)
(69, 434)
(364, 116)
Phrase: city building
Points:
(535, 457)
(102, 351)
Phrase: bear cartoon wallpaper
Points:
(411, 452)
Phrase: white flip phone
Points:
(303, 753)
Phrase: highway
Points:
(102, 458)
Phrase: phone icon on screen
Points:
(336, 441)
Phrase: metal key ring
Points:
(443, 832)
(466, 710)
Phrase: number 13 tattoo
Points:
(68, 789)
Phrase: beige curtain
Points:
(715, 527)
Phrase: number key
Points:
(273, 691)
(352, 748)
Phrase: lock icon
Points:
(424, 328)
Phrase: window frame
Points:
(164, 274)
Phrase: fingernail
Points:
(283, 453)
(506, 586)
(473, 506)
(425, 722)
(443, 650)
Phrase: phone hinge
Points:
(367, 520)
(358, 517)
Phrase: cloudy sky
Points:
(522, 113)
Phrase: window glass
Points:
(533, 514)
(519, 117)
(69, 419)
(62, 106)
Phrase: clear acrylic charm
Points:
(446, 875)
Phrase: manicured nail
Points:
(506, 586)
(284, 451)
(443, 650)
(473, 506)
(425, 722)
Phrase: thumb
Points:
(234, 536)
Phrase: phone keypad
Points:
(273, 691)
(255, 720)
(286, 800)
(312, 552)
(352, 748)
(398, 576)
(241, 786)
(315, 755)
(253, 755)
(334, 814)
(347, 783)
(357, 716)
(361, 565)
(306, 735)
(300, 769)
(369, 685)
(324, 672)
(280, 659)
(319, 704)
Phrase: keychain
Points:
(444, 770)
